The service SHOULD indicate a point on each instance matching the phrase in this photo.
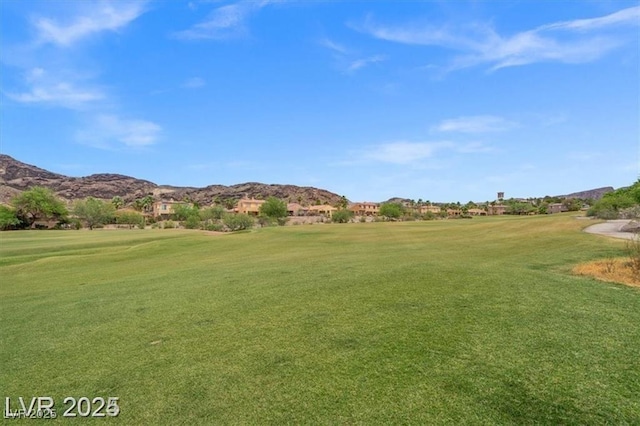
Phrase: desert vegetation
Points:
(623, 203)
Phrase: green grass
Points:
(447, 322)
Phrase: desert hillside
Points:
(16, 176)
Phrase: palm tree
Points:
(147, 202)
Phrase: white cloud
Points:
(225, 22)
(332, 45)
(347, 60)
(194, 83)
(52, 90)
(361, 63)
(475, 124)
(109, 131)
(474, 147)
(102, 17)
(577, 41)
(404, 152)
(621, 17)
(421, 155)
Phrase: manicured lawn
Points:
(459, 322)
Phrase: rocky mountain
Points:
(16, 176)
(594, 194)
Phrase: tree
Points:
(572, 204)
(343, 203)
(229, 203)
(212, 213)
(391, 210)
(117, 202)
(94, 212)
(144, 203)
(184, 211)
(8, 218)
(274, 209)
(238, 222)
(128, 217)
(38, 203)
(342, 216)
(147, 203)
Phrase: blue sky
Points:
(439, 100)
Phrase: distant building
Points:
(164, 209)
(477, 212)
(365, 209)
(430, 209)
(249, 206)
(295, 209)
(556, 208)
(324, 209)
(500, 195)
(497, 210)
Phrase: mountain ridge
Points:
(16, 176)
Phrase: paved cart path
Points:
(611, 228)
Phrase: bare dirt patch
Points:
(617, 270)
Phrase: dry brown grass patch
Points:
(618, 270)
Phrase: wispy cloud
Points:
(104, 16)
(111, 131)
(332, 45)
(50, 84)
(425, 154)
(577, 41)
(348, 60)
(194, 83)
(45, 88)
(361, 63)
(474, 147)
(475, 124)
(225, 22)
(405, 152)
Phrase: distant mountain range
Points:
(594, 194)
(16, 176)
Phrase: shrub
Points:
(185, 211)
(275, 210)
(391, 210)
(429, 216)
(127, 217)
(192, 222)
(212, 213)
(214, 227)
(238, 222)
(8, 218)
(169, 224)
(612, 203)
(633, 250)
(342, 216)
